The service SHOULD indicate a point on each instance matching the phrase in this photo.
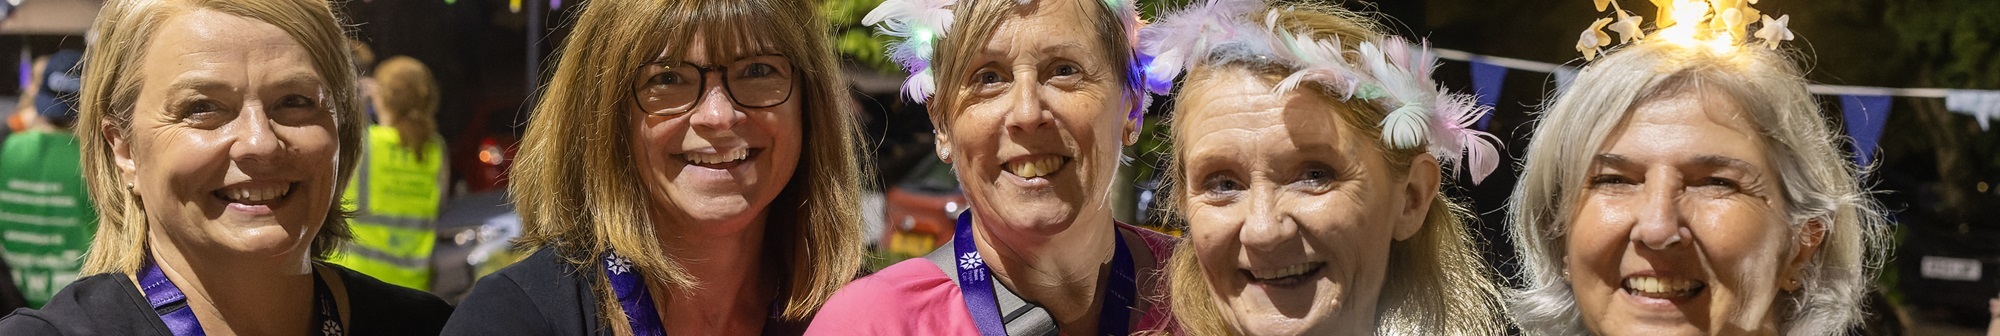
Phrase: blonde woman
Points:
(1308, 211)
(1034, 101)
(1687, 184)
(692, 170)
(221, 133)
(402, 179)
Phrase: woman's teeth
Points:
(1037, 167)
(732, 155)
(254, 194)
(1662, 288)
(1284, 272)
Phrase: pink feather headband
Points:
(1391, 73)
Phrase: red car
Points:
(921, 210)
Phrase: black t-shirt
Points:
(543, 295)
(109, 304)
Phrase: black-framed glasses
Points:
(671, 88)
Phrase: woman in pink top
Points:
(1034, 101)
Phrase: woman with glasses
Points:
(700, 178)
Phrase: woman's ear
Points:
(121, 154)
(1419, 188)
(941, 140)
(1811, 235)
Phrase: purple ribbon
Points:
(976, 283)
(168, 301)
(633, 296)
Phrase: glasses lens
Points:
(667, 89)
(761, 81)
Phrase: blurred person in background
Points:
(402, 179)
(693, 169)
(46, 217)
(218, 137)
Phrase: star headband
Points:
(1718, 24)
(919, 24)
(1391, 73)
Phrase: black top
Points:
(542, 295)
(109, 304)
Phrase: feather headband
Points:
(917, 26)
(1391, 73)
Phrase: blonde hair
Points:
(573, 185)
(973, 24)
(409, 98)
(111, 85)
(1818, 182)
(1437, 283)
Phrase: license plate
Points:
(1955, 269)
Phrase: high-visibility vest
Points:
(46, 219)
(394, 229)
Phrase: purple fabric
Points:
(1486, 82)
(633, 296)
(161, 292)
(973, 278)
(1865, 116)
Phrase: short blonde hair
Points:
(409, 98)
(111, 84)
(973, 24)
(1438, 284)
(1818, 182)
(574, 183)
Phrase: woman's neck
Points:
(235, 294)
(1054, 271)
(735, 294)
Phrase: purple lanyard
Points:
(974, 280)
(633, 296)
(170, 303)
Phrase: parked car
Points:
(921, 210)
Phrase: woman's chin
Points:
(267, 241)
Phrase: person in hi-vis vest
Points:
(401, 182)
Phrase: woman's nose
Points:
(1660, 223)
(254, 138)
(1266, 227)
(716, 111)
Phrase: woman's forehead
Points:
(703, 47)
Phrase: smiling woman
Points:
(1689, 189)
(1035, 100)
(222, 132)
(699, 178)
(1305, 214)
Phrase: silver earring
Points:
(944, 154)
(1132, 137)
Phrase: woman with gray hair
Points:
(1688, 184)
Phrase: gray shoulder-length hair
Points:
(1819, 182)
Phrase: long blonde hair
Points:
(574, 183)
(1437, 283)
(409, 98)
(111, 87)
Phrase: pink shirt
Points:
(914, 297)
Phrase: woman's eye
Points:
(1067, 70)
(986, 77)
(1221, 186)
(296, 101)
(1718, 182)
(1608, 180)
(1316, 177)
(759, 70)
(668, 78)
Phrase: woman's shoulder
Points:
(539, 295)
(1161, 244)
(380, 308)
(912, 297)
(103, 304)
